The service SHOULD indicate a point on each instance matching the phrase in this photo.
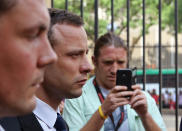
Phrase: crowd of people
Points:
(43, 61)
(168, 98)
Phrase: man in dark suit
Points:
(23, 54)
(64, 79)
(180, 126)
(21, 123)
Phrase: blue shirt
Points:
(108, 124)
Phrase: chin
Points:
(110, 86)
(75, 94)
(17, 111)
(17, 107)
(25, 108)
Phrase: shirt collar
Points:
(1, 128)
(45, 113)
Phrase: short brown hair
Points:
(107, 40)
(63, 16)
(59, 16)
(6, 5)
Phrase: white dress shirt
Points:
(46, 115)
(1, 128)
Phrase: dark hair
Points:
(59, 16)
(108, 39)
(6, 5)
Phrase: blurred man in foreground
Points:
(24, 53)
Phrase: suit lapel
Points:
(10, 124)
(29, 123)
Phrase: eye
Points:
(75, 55)
(87, 52)
(33, 34)
(121, 62)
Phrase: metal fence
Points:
(96, 27)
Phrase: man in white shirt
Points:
(63, 79)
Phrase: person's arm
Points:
(114, 99)
(149, 124)
(154, 111)
(139, 104)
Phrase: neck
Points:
(48, 97)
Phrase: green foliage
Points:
(120, 10)
(169, 16)
(59, 4)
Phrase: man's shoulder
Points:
(89, 82)
(10, 124)
(21, 123)
(147, 94)
(89, 86)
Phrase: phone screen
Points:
(124, 78)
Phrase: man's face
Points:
(24, 52)
(108, 62)
(66, 77)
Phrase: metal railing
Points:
(96, 28)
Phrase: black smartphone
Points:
(124, 78)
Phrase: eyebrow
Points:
(40, 27)
(80, 51)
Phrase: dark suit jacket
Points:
(22, 123)
(180, 128)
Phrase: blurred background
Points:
(152, 30)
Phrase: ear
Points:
(94, 61)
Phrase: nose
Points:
(47, 55)
(85, 66)
(114, 68)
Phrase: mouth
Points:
(111, 78)
(81, 82)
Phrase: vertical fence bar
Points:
(52, 3)
(66, 4)
(160, 62)
(81, 8)
(128, 29)
(96, 20)
(176, 60)
(112, 15)
(144, 74)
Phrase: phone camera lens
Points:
(124, 75)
